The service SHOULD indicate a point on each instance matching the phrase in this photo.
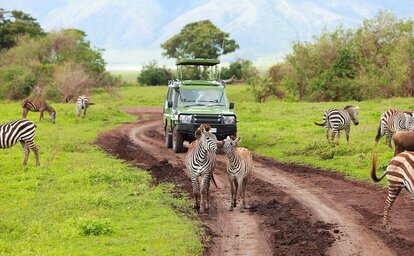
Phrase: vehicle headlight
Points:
(185, 119)
(229, 119)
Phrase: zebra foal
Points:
(82, 104)
(22, 130)
(239, 167)
(400, 174)
(339, 119)
(200, 162)
(38, 106)
(393, 121)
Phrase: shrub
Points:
(152, 74)
(95, 227)
(240, 69)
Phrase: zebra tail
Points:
(214, 181)
(379, 133)
(319, 124)
(374, 169)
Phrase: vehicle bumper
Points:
(222, 130)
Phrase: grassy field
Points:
(81, 201)
(127, 75)
(285, 130)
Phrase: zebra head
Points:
(409, 121)
(52, 117)
(207, 139)
(229, 145)
(353, 113)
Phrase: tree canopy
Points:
(201, 39)
(15, 24)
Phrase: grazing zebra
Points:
(83, 103)
(400, 174)
(38, 106)
(393, 121)
(239, 168)
(200, 162)
(339, 119)
(22, 130)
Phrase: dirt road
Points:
(294, 210)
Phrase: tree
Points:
(201, 39)
(240, 69)
(152, 74)
(15, 24)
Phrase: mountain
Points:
(131, 31)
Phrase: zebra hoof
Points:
(231, 208)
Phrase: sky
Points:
(131, 31)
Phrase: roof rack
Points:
(202, 62)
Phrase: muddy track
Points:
(294, 210)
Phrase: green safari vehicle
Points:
(200, 99)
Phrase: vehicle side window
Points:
(169, 94)
(174, 97)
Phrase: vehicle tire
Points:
(168, 137)
(177, 141)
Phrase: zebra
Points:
(200, 162)
(38, 106)
(22, 130)
(392, 121)
(83, 103)
(239, 167)
(400, 174)
(339, 119)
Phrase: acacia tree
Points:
(201, 39)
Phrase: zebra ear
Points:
(202, 129)
(238, 139)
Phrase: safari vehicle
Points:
(194, 98)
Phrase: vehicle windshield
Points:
(197, 73)
(202, 98)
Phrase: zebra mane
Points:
(349, 106)
(49, 108)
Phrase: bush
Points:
(152, 74)
(240, 69)
(95, 227)
(17, 82)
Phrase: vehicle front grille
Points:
(207, 119)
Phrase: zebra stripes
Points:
(392, 121)
(38, 106)
(238, 169)
(82, 104)
(200, 162)
(22, 130)
(339, 119)
(400, 174)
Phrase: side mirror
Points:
(231, 105)
(169, 104)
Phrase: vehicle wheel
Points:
(177, 141)
(168, 137)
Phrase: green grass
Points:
(127, 75)
(81, 201)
